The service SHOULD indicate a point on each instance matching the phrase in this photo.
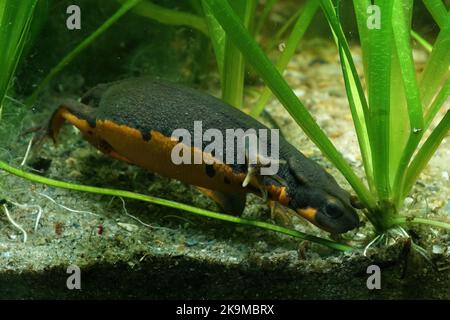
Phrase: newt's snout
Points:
(336, 217)
(333, 217)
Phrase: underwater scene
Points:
(225, 149)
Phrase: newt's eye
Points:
(333, 210)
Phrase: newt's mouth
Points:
(346, 222)
(309, 214)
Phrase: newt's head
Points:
(319, 199)
(326, 211)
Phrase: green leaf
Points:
(217, 36)
(355, 93)
(438, 12)
(380, 43)
(169, 16)
(16, 18)
(401, 24)
(436, 71)
(438, 102)
(424, 43)
(426, 152)
(361, 13)
(234, 64)
(276, 39)
(268, 5)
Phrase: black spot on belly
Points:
(210, 172)
(104, 146)
(92, 121)
(226, 180)
(146, 135)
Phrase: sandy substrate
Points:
(167, 253)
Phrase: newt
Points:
(132, 120)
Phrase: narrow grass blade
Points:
(196, 5)
(15, 21)
(437, 68)
(401, 23)
(420, 40)
(276, 39)
(355, 93)
(273, 79)
(169, 16)
(303, 22)
(172, 204)
(417, 220)
(438, 102)
(438, 11)
(83, 45)
(234, 64)
(217, 36)
(425, 153)
(362, 9)
(380, 41)
(264, 15)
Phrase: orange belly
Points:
(127, 144)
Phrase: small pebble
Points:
(261, 245)
(350, 157)
(436, 204)
(233, 259)
(360, 236)
(299, 92)
(190, 242)
(408, 201)
(6, 254)
(438, 249)
(128, 226)
(317, 61)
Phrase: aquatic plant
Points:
(390, 124)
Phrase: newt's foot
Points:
(280, 214)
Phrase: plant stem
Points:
(171, 204)
(379, 84)
(234, 64)
(353, 87)
(436, 105)
(276, 39)
(169, 16)
(402, 25)
(416, 220)
(436, 70)
(439, 12)
(217, 37)
(424, 43)
(425, 153)
(263, 17)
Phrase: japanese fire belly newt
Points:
(133, 120)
